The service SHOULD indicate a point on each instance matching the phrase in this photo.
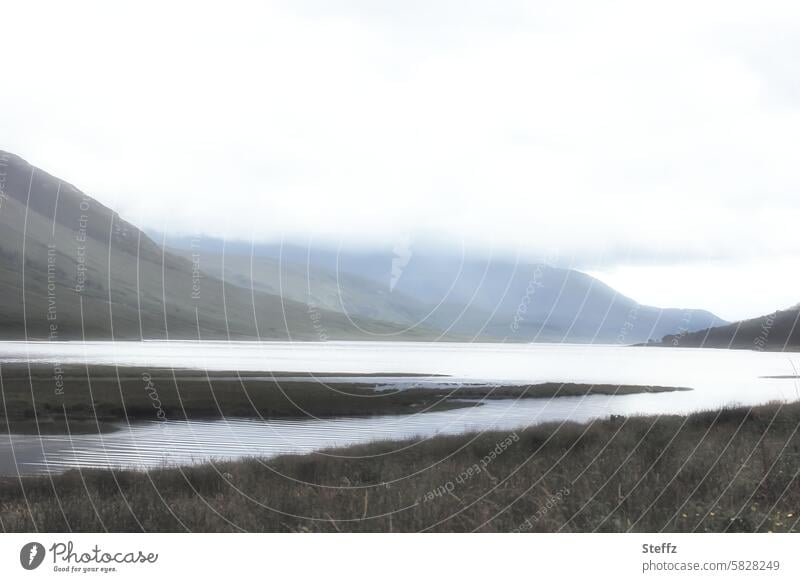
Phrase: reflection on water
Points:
(718, 378)
(533, 363)
(155, 444)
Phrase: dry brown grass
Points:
(730, 470)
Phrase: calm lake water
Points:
(717, 377)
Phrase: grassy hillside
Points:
(779, 331)
(356, 296)
(480, 297)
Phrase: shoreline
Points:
(78, 402)
(726, 470)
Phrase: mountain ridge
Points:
(774, 332)
(72, 268)
(484, 298)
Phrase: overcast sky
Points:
(654, 144)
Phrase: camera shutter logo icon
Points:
(31, 555)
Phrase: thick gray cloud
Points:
(626, 134)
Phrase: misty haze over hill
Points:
(73, 268)
(480, 297)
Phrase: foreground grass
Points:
(37, 401)
(732, 470)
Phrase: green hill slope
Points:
(779, 331)
(72, 268)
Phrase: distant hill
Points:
(779, 331)
(72, 268)
(482, 298)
